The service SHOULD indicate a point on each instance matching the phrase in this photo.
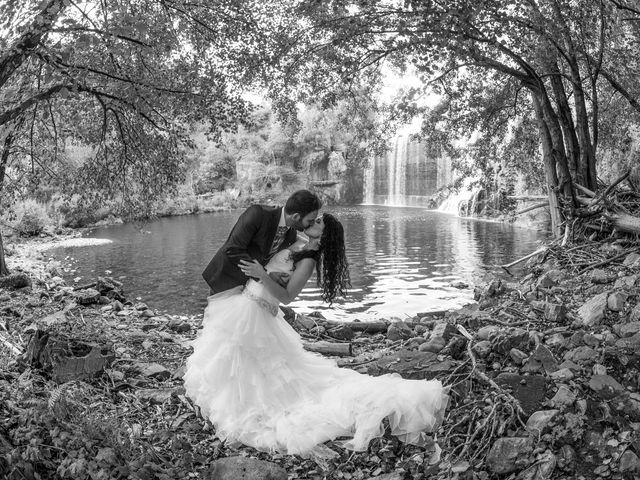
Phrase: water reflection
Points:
(403, 260)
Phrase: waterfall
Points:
(462, 202)
(407, 175)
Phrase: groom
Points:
(260, 232)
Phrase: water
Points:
(403, 260)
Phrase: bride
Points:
(250, 375)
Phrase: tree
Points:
(126, 77)
(563, 57)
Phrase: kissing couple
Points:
(249, 372)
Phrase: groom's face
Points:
(301, 223)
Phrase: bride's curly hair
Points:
(332, 268)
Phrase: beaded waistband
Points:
(268, 306)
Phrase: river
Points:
(403, 260)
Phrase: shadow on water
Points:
(403, 260)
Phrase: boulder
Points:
(592, 312)
(399, 331)
(538, 421)
(616, 300)
(509, 454)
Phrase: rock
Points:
(510, 338)
(626, 282)
(15, 281)
(631, 259)
(154, 370)
(541, 360)
(562, 375)
(117, 306)
(592, 312)
(110, 288)
(631, 343)
(482, 348)
(304, 322)
(605, 385)
(627, 329)
(542, 469)
(555, 312)
(518, 356)
(564, 397)
(434, 345)
(509, 454)
(244, 468)
(556, 340)
(550, 279)
(529, 390)
(629, 462)
(582, 355)
(634, 316)
(538, 421)
(341, 332)
(600, 276)
(399, 331)
(616, 300)
(591, 340)
(460, 285)
(444, 330)
(156, 396)
(87, 296)
(146, 313)
(486, 332)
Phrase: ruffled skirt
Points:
(250, 375)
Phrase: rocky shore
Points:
(544, 372)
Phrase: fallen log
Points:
(533, 207)
(329, 348)
(527, 197)
(365, 327)
(624, 222)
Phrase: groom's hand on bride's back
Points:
(280, 277)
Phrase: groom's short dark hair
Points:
(303, 202)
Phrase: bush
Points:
(75, 213)
(30, 218)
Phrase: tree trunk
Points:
(549, 169)
(3, 266)
(566, 123)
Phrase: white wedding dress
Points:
(250, 375)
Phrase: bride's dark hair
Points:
(332, 268)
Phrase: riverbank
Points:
(544, 373)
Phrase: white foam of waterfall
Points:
(458, 203)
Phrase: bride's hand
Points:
(252, 269)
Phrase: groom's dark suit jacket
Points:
(250, 239)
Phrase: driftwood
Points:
(624, 222)
(527, 197)
(585, 190)
(330, 348)
(365, 327)
(520, 260)
(533, 207)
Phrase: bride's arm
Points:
(297, 281)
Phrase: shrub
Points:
(30, 218)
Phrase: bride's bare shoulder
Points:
(299, 244)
